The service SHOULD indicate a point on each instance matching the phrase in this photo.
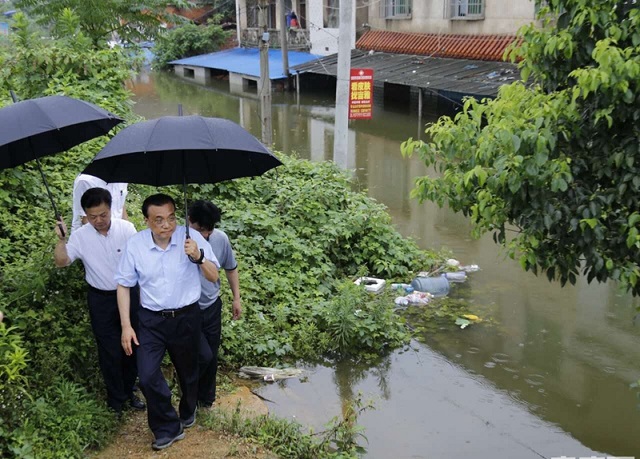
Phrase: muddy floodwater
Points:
(548, 372)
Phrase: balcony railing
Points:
(297, 39)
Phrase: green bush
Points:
(65, 421)
(186, 41)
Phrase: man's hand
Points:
(191, 249)
(237, 309)
(60, 227)
(128, 335)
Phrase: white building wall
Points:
(430, 16)
(324, 41)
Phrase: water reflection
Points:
(566, 354)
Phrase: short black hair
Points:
(159, 199)
(93, 197)
(205, 214)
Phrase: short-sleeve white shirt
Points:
(82, 183)
(167, 278)
(100, 253)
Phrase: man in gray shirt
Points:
(203, 217)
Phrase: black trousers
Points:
(208, 356)
(119, 371)
(180, 336)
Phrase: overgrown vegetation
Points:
(341, 439)
(101, 21)
(188, 40)
(301, 235)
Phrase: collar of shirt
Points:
(151, 244)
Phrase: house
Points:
(459, 17)
(318, 24)
(426, 53)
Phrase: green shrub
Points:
(65, 421)
(186, 41)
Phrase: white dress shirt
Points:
(167, 278)
(82, 183)
(100, 254)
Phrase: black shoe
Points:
(189, 422)
(136, 403)
(163, 443)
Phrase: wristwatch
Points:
(200, 260)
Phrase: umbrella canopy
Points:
(174, 150)
(39, 127)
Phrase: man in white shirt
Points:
(82, 183)
(100, 245)
(167, 265)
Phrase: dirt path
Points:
(134, 440)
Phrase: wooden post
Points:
(284, 43)
(265, 82)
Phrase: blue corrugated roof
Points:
(246, 61)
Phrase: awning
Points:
(246, 61)
(462, 76)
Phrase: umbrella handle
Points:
(53, 204)
(58, 217)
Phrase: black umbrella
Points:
(174, 150)
(39, 127)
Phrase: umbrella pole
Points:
(53, 204)
(186, 215)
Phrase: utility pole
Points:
(284, 43)
(341, 128)
(265, 81)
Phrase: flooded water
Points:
(549, 373)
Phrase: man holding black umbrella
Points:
(166, 263)
(99, 245)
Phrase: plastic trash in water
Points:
(401, 301)
(437, 286)
(371, 284)
(458, 276)
(419, 298)
(470, 268)
(453, 262)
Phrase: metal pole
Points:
(284, 43)
(265, 81)
(420, 127)
(341, 130)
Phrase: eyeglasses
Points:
(159, 221)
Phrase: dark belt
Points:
(166, 313)
(102, 292)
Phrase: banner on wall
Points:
(361, 94)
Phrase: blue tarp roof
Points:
(246, 61)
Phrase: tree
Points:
(100, 20)
(551, 167)
(186, 41)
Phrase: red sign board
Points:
(361, 94)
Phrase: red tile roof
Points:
(477, 47)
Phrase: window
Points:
(253, 14)
(466, 9)
(331, 14)
(395, 9)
